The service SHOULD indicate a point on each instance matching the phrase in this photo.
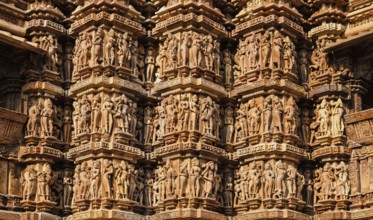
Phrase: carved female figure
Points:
(96, 178)
(277, 47)
(149, 182)
(76, 185)
(208, 176)
(184, 112)
(123, 49)
(109, 49)
(244, 184)
(253, 180)
(252, 52)
(288, 54)
(121, 180)
(194, 177)
(323, 117)
(184, 48)
(85, 45)
(253, 117)
(97, 45)
(96, 113)
(303, 66)
(67, 124)
(85, 114)
(206, 115)
(277, 114)
(107, 116)
(291, 174)
(195, 54)
(194, 111)
(29, 177)
(269, 178)
(47, 115)
(76, 117)
(337, 117)
(265, 46)
(162, 178)
(267, 113)
(84, 181)
(108, 171)
(227, 62)
(228, 191)
(280, 174)
(183, 178)
(241, 113)
(34, 118)
(67, 188)
(327, 176)
(150, 65)
(208, 51)
(290, 116)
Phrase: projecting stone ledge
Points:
(272, 214)
(106, 214)
(189, 213)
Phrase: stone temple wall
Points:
(186, 109)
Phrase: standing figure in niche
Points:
(241, 55)
(277, 114)
(229, 127)
(96, 178)
(290, 114)
(47, 115)
(123, 49)
(269, 179)
(194, 112)
(76, 117)
(96, 113)
(34, 118)
(150, 65)
(288, 54)
(109, 49)
(97, 45)
(265, 46)
(227, 62)
(184, 112)
(67, 188)
(149, 183)
(291, 183)
(208, 176)
(206, 115)
(67, 124)
(162, 178)
(208, 51)
(29, 177)
(277, 58)
(183, 178)
(172, 50)
(253, 117)
(303, 66)
(170, 181)
(252, 52)
(194, 177)
(184, 49)
(280, 174)
(324, 118)
(85, 114)
(267, 114)
(337, 112)
(108, 171)
(85, 45)
(107, 116)
(195, 55)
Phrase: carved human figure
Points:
(183, 178)
(161, 60)
(107, 176)
(277, 50)
(300, 184)
(67, 124)
(309, 188)
(265, 46)
(170, 179)
(123, 49)
(229, 127)
(43, 183)
(172, 49)
(150, 65)
(149, 183)
(241, 55)
(85, 50)
(290, 114)
(96, 179)
(195, 53)
(121, 113)
(303, 66)
(280, 174)
(208, 51)
(267, 114)
(228, 191)
(97, 46)
(29, 178)
(337, 122)
(291, 175)
(67, 188)
(252, 52)
(216, 57)
(277, 112)
(184, 48)
(253, 177)
(76, 117)
(269, 179)
(208, 176)
(76, 184)
(326, 178)
(132, 117)
(194, 112)
(34, 118)
(288, 54)
(96, 113)
(305, 124)
(194, 178)
(109, 47)
(85, 114)
(85, 182)
(171, 114)
(241, 117)
(47, 115)
(162, 179)
(324, 117)
(68, 65)
(51, 47)
(253, 117)
(207, 115)
(342, 181)
(228, 65)
(183, 112)
(121, 180)
(107, 116)
(149, 128)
